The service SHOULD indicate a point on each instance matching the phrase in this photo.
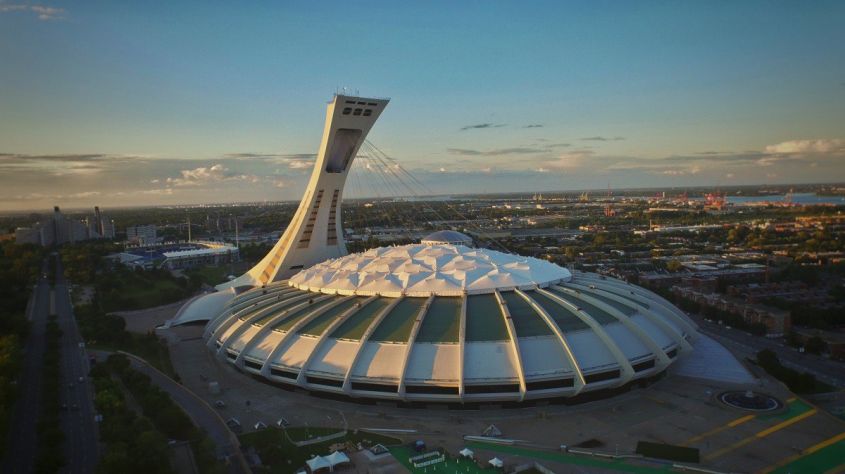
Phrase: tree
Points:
(815, 345)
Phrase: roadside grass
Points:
(279, 455)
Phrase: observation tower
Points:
(315, 234)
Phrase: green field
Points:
(451, 465)
(560, 457)
(829, 459)
(280, 456)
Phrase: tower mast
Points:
(315, 233)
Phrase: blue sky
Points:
(124, 103)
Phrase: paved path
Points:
(22, 439)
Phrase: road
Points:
(81, 446)
(829, 371)
(200, 413)
(21, 448)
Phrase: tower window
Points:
(343, 147)
(347, 110)
(357, 112)
(367, 112)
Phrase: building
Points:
(432, 322)
(315, 233)
(208, 254)
(447, 237)
(57, 229)
(446, 323)
(141, 234)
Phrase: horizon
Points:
(161, 105)
(516, 194)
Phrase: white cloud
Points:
(807, 146)
(570, 160)
(42, 12)
(209, 174)
(300, 164)
(159, 192)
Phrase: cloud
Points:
(494, 152)
(602, 139)
(534, 125)
(212, 174)
(807, 146)
(42, 12)
(569, 160)
(482, 125)
(300, 164)
(158, 192)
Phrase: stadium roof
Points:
(425, 270)
(447, 237)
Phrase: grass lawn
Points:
(149, 348)
(457, 465)
(556, 456)
(144, 294)
(209, 275)
(281, 456)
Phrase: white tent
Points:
(336, 458)
(496, 462)
(318, 462)
(467, 453)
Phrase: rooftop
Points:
(425, 270)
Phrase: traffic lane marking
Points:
(806, 452)
(760, 435)
(719, 429)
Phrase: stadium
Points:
(437, 321)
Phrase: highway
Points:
(829, 371)
(81, 444)
(21, 448)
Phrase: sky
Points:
(152, 103)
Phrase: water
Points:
(797, 198)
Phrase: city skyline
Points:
(159, 104)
